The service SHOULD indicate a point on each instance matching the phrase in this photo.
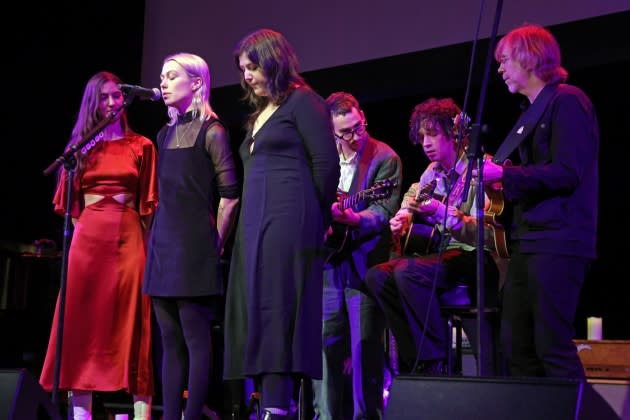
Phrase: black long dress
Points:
(274, 298)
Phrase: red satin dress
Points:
(107, 330)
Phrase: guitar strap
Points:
(361, 174)
(525, 124)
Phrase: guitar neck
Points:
(378, 191)
(425, 192)
(351, 201)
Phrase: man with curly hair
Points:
(408, 288)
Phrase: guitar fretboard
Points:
(354, 199)
(426, 191)
(379, 190)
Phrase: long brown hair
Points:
(270, 51)
(89, 115)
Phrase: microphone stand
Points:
(475, 152)
(69, 161)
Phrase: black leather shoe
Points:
(271, 416)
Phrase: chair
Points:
(461, 315)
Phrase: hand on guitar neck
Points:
(497, 216)
(344, 217)
(421, 203)
(492, 173)
(400, 223)
(425, 207)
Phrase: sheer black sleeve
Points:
(220, 151)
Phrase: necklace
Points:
(177, 139)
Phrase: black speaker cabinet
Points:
(472, 398)
(22, 398)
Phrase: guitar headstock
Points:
(380, 190)
(461, 124)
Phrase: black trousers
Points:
(540, 297)
(407, 291)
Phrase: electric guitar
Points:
(338, 240)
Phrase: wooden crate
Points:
(608, 359)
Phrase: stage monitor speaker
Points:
(22, 398)
(472, 398)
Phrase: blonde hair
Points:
(194, 66)
(535, 49)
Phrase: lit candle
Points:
(594, 328)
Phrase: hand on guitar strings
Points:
(346, 217)
(399, 224)
(454, 219)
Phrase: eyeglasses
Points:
(349, 135)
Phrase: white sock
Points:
(81, 404)
(141, 407)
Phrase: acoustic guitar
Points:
(497, 216)
(337, 241)
(421, 238)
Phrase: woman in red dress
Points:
(107, 333)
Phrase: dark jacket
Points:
(555, 188)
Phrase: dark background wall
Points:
(330, 33)
(56, 48)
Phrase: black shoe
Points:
(430, 368)
(271, 416)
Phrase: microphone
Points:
(140, 92)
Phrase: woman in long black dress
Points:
(183, 273)
(291, 170)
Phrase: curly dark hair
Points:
(433, 113)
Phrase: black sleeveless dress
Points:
(183, 256)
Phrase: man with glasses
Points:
(353, 325)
